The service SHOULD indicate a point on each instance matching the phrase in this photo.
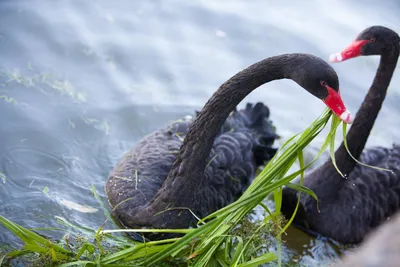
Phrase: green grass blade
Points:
(278, 198)
(120, 255)
(76, 263)
(100, 201)
(335, 121)
(28, 236)
(145, 251)
(176, 231)
(303, 189)
(86, 247)
(268, 257)
(85, 230)
(2, 259)
(359, 162)
(178, 245)
(239, 250)
(302, 168)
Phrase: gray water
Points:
(82, 81)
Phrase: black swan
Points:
(352, 207)
(152, 187)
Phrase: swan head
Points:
(320, 79)
(375, 40)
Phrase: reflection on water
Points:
(82, 81)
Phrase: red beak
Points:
(353, 50)
(335, 103)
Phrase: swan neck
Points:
(190, 163)
(367, 114)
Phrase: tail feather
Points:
(257, 113)
(257, 119)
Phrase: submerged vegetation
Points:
(47, 84)
(224, 238)
(37, 81)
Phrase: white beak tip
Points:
(337, 57)
(347, 117)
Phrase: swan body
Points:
(351, 207)
(349, 210)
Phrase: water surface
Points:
(82, 81)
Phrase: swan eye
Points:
(323, 83)
(372, 40)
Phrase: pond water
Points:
(82, 81)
